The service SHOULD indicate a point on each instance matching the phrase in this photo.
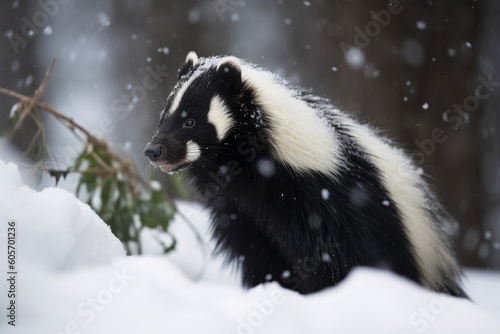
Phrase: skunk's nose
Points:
(154, 152)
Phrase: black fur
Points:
(303, 230)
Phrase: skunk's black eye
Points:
(189, 123)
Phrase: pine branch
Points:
(30, 106)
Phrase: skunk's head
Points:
(197, 115)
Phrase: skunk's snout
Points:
(155, 152)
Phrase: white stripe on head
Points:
(219, 117)
(180, 93)
(190, 62)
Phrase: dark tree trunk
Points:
(414, 69)
(18, 64)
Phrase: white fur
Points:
(300, 139)
(192, 56)
(306, 143)
(218, 116)
(193, 151)
(402, 182)
(235, 62)
(180, 93)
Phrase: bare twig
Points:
(31, 105)
(96, 171)
(33, 102)
(70, 123)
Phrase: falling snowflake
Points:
(325, 194)
(47, 30)
(164, 50)
(103, 19)
(421, 25)
(355, 57)
(266, 167)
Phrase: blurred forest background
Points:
(405, 67)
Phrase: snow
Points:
(265, 167)
(355, 58)
(28, 81)
(103, 19)
(194, 15)
(235, 17)
(325, 194)
(421, 25)
(74, 277)
(55, 226)
(165, 50)
(48, 30)
(13, 109)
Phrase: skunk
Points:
(300, 192)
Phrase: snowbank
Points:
(56, 230)
(73, 277)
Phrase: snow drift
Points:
(73, 277)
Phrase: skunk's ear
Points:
(228, 75)
(191, 60)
